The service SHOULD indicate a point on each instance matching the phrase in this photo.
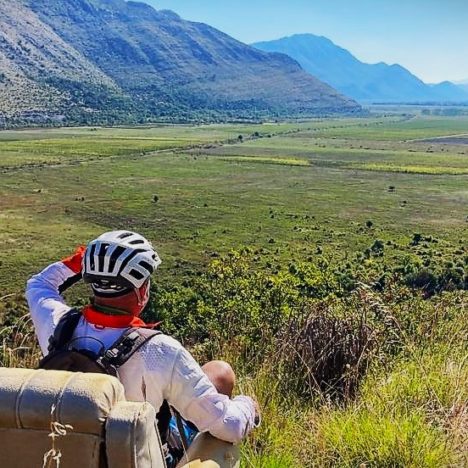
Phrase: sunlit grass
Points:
(260, 160)
(54, 150)
(410, 169)
(413, 417)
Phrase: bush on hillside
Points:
(432, 282)
(327, 350)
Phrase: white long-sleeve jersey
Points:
(162, 369)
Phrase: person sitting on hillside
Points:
(118, 265)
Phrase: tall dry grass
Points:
(18, 343)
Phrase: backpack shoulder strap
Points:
(64, 330)
(126, 346)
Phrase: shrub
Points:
(423, 279)
(236, 305)
(378, 246)
(417, 238)
(436, 281)
(327, 350)
(452, 278)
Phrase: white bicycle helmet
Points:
(118, 261)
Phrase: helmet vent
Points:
(119, 250)
(136, 274)
(124, 235)
(147, 266)
(101, 256)
(91, 256)
(137, 241)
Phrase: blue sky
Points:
(429, 37)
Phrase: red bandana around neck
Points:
(114, 321)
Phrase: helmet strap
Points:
(142, 301)
(139, 298)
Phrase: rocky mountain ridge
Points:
(362, 81)
(88, 61)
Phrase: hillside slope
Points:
(32, 55)
(362, 81)
(111, 59)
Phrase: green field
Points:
(310, 201)
(290, 186)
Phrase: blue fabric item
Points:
(174, 435)
(174, 441)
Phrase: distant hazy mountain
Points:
(449, 91)
(112, 60)
(364, 82)
(463, 85)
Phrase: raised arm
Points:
(43, 292)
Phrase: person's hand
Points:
(74, 261)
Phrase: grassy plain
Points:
(291, 192)
(52, 146)
(297, 187)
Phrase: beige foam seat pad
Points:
(208, 452)
(28, 397)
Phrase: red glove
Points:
(74, 261)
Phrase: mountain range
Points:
(361, 81)
(88, 61)
(463, 85)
